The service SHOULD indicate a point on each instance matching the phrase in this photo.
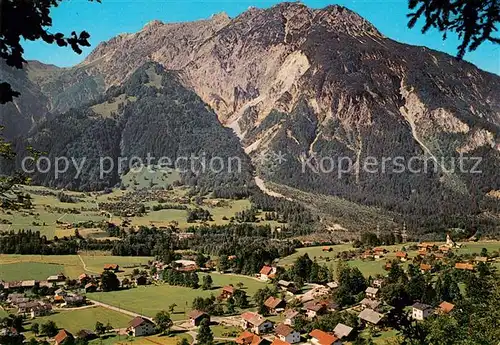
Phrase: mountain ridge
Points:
(315, 83)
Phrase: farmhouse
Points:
(287, 334)
(16, 298)
(227, 292)
(34, 309)
(274, 305)
(197, 316)
(402, 256)
(319, 337)
(111, 267)
(63, 337)
(74, 301)
(248, 338)
(342, 331)
(483, 259)
(56, 278)
(267, 272)
(90, 287)
(464, 266)
(421, 311)
(256, 323)
(139, 326)
(29, 284)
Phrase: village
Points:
(278, 319)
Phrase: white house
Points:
(139, 327)
(371, 292)
(256, 323)
(421, 311)
(287, 333)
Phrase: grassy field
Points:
(222, 331)
(29, 270)
(172, 339)
(371, 268)
(75, 320)
(140, 299)
(21, 267)
(47, 210)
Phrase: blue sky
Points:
(112, 17)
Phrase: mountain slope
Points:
(150, 114)
(316, 85)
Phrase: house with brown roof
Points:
(248, 338)
(319, 307)
(83, 278)
(425, 268)
(63, 337)
(464, 266)
(90, 287)
(287, 334)
(227, 292)
(370, 303)
(197, 316)
(445, 308)
(111, 267)
(274, 305)
(313, 309)
(319, 337)
(256, 323)
(402, 256)
(267, 272)
(326, 249)
(139, 326)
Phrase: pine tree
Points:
(205, 336)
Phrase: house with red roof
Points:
(248, 338)
(267, 272)
(319, 337)
(63, 337)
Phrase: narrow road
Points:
(85, 265)
(120, 310)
